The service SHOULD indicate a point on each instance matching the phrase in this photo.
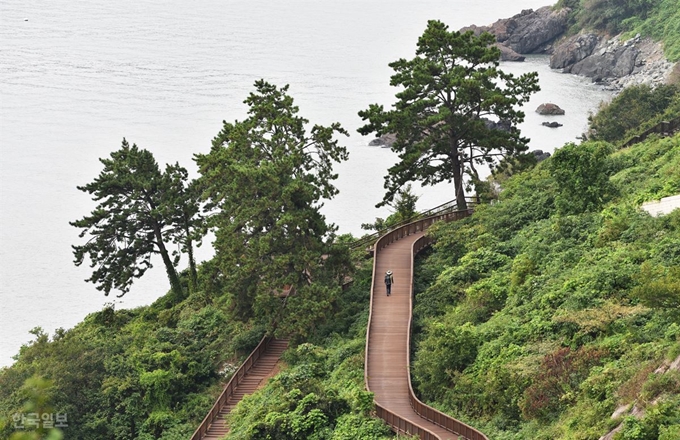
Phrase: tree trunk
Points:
(458, 180)
(193, 276)
(175, 284)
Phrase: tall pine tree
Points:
(264, 180)
(140, 211)
(456, 109)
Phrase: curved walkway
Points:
(388, 340)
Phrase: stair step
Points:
(248, 384)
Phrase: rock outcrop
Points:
(549, 109)
(607, 63)
(613, 62)
(503, 125)
(573, 50)
(610, 61)
(529, 31)
(540, 155)
(384, 141)
(508, 54)
(552, 124)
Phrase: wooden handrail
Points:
(449, 206)
(235, 380)
(398, 423)
(662, 127)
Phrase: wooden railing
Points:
(231, 386)
(663, 128)
(444, 207)
(398, 423)
(417, 226)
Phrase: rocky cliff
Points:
(527, 32)
(610, 61)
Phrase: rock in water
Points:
(549, 109)
(551, 124)
(503, 124)
(385, 141)
(540, 155)
(508, 54)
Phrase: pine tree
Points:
(264, 180)
(456, 109)
(141, 210)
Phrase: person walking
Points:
(389, 280)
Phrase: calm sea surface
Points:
(78, 76)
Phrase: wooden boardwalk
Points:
(386, 371)
(388, 340)
(245, 381)
(388, 375)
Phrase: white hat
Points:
(389, 272)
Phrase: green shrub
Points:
(582, 176)
(659, 288)
(444, 350)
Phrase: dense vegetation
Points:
(545, 312)
(154, 372)
(321, 395)
(659, 19)
(633, 111)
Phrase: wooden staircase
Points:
(252, 374)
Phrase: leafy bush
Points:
(635, 106)
(582, 176)
(659, 288)
(446, 349)
(560, 376)
(320, 396)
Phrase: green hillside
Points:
(545, 312)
